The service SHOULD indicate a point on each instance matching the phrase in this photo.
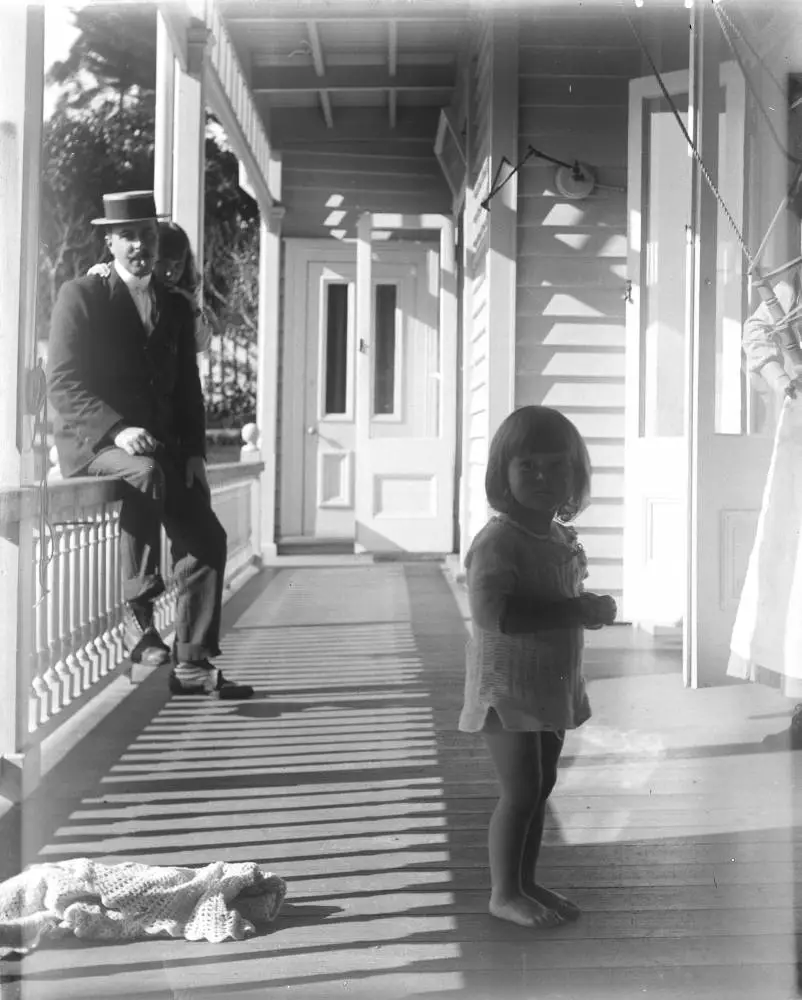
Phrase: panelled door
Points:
(689, 408)
(406, 415)
(659, 206)
(404, 464)
(732, 427)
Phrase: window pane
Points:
(730, 381)
(384, 367)
(667, 190)
(336, 347)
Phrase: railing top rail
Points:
(228, 472)
(64, 495)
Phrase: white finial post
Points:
(250, 451)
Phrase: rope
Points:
(725, 21)
(691, 144)
(786, 333)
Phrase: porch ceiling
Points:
(360, 70)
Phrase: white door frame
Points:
(726, 471)
(447, 321)
(299, 254)
(640, 516)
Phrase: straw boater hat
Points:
(128, 206)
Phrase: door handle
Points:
(627, 296)
(311, 430)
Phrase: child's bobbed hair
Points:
(174, 243)
(537, 430)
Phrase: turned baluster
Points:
(74, 594)
(102, 625)
(83, 604)
(91, 618)
(45, 611)
(57, 616)
(116, 588)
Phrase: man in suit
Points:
(123, 380)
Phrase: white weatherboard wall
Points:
(572, 261)
(573, 83)
(490, 260)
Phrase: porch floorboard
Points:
(672, 826)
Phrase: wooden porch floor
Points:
(672, 826)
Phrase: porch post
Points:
(164, 124)
(705, 103)
(362, 367)
(502, 223)
(465, 498)
(22, 59)
(189, 116)
(268, 368)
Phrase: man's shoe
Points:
(143, 642)
(201, 678)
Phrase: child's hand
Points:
(99, 271)
(597, 610)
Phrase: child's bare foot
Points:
(552, 900)
(523, 911)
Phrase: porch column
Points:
(362, 374)
(189, 161)
(164, 123)
(268, 370)
(705, 102)
(22, 59)
(502, 224)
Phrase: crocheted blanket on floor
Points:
(125, 901)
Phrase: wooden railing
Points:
(230, 98)
(71, 599)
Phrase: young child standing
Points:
(524, 684)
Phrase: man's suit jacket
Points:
(105, 371)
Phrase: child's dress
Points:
(534, 680)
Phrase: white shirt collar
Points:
(131, 280)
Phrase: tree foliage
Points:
(85, 152)
(114, 50)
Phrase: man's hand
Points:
(136, 441)
(597, 610)
(196, 473)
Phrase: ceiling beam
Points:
(384, 11)
(320, 69)
(325, 107)
(268, 79)
(317, 48)
(392, 47)
(392, 68)
(355, 125)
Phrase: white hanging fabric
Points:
(766, 644)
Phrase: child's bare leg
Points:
(515, 756)
(551, 745)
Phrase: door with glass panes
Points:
(723, 438)
(410, 504)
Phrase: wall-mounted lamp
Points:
(575, 182)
